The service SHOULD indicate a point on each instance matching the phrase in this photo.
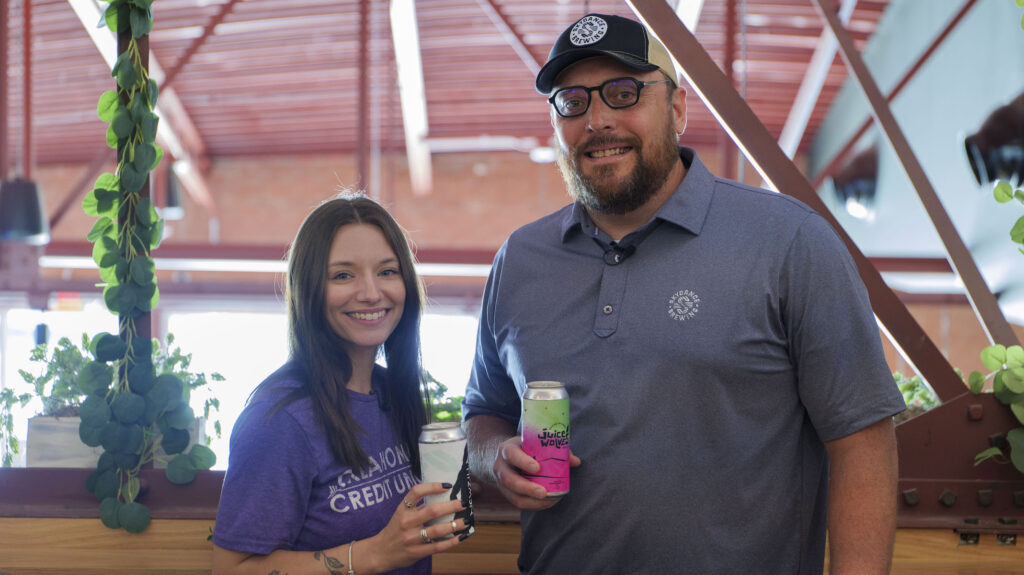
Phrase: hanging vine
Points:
(133, 413)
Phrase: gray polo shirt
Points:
(705, 371)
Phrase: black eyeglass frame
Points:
(600, 91)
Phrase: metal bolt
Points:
(975, 411)
(947, 498)
(1006, 538)
(911, 497)
(997, 440)
(985, 497)
(969, 538)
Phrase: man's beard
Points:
(602, 194)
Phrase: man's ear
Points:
(679, 109)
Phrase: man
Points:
(715, 340)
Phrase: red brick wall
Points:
(477, 200)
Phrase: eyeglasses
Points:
(617, 93)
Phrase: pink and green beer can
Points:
(546, 434)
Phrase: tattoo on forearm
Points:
(334, 566)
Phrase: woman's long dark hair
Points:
(317, 351)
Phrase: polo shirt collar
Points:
(686, 208)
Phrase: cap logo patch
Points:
(588, 30)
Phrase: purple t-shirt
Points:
(284, 489)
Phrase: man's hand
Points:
(496, 456)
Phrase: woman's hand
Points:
(406, 539)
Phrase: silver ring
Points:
(454, 527)
(424, 537)
(407, 504)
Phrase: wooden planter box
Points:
(54, 442)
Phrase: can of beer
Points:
(444, 458)
(545, 424)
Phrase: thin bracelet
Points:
(351, 571)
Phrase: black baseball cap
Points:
(625, 40)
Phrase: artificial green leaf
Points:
(1014, 356)
(145, 154)
(1016, 440)
(107, 485)
(128, 407)
(181, 470)
(127, 76)
(181, 417)
(149, 125)
(144, 3)
(106, 462)
(976, 381)
(121, 437)
(1013, 379)
(100, 228)
(1003, 191)
(122, 122)
(109, 101)
(108, 512)
(156, 234)
(89, 204)
(144, 300)
(987, 454)
(154, 299)
(114, 300)
(138, 107)
(131, 487)
(107, 202)
(112, 141)
(95, 376)
(141, 377)
(126, 461)
(158, 158)
(1020, 3)
(166, 391)
(145, 215)
(132, 179)
(105, 252)
(140, 22)
(1017, 232)
(143, 270)
(140, 240)
(110, 17)
(152, 92)
(109, 347)
(1017, 408)
(106, 181)
(94, 412)
(89, 434)
(994, 356)
(175, 441)
(202, 456)
(134, 517)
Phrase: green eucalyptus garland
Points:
(137, 413)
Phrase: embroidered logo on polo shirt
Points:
(683, 305)
(588, 30)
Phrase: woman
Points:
(322, 473)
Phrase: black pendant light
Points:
(22, 218)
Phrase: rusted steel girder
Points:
(984, 302)
(775, 167)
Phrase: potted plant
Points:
(53, 435)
